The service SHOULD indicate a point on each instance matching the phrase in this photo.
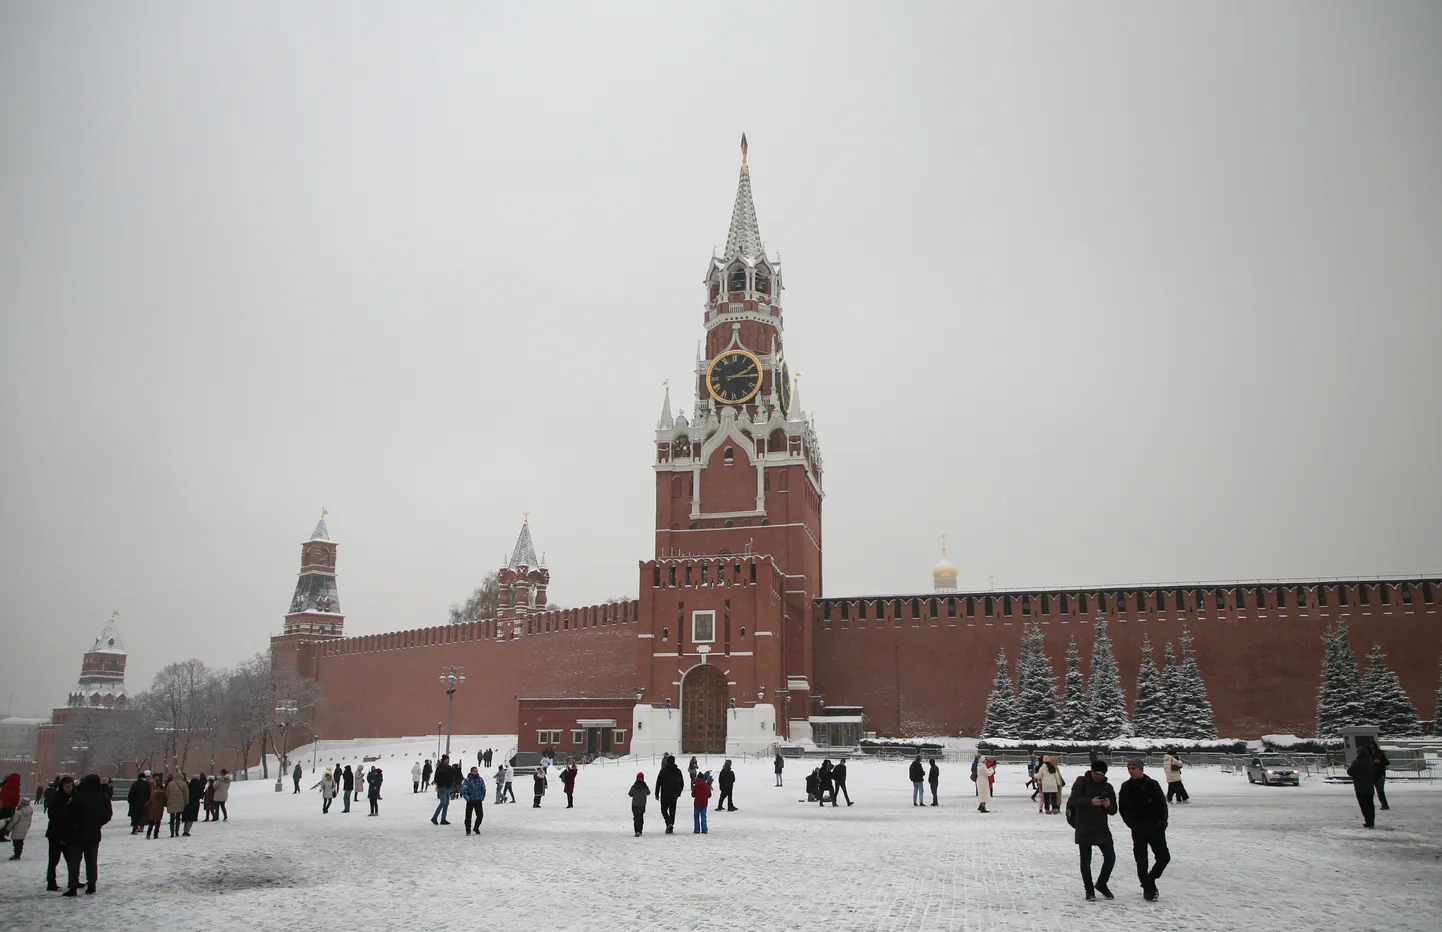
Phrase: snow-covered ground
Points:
(1243, 857)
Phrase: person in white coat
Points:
(416, 777)
(19, 826)
(1049, 778)
(327, 792)
(985, 774)
(1172, 767)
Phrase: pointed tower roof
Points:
(525, 552)
(109, 640)
(667, 421)
(743, 240)
(320, 532)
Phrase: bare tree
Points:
(176, 699)
(247, 710)
(481, 606)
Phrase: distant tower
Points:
(943, 575)
(315, 607)
(521, 584)
(102, 672)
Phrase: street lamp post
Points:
(314, 747)
(451, 676)
(439, 726)
(285, 713)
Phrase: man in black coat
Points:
(933, 777)
(58, 832)
(295, 776)
(918, 776)
(138, 800)
(727, 779)
(1364, 783)
(1143, 807)
(824, 784)
(1379, 765)
(838, 779)
(89, 810)
(1092, 800)
(670, 784)
(426, 775)
(442, 784)
(348, 785)
(192, 808)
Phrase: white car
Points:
(1272, 770)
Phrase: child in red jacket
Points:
(701, 796)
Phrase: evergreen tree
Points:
(1171, 687)
(1001, 704)
(1036, 711)
(1385, 701)
(1191, 712)
(1107, 701)
(1150, 717)
(1339, 696)
(1075, 716)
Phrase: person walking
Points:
(538, 783)
(209, 800)
(918, 784)
(89, 810)
(510, 790)
(488, 758)
(1363, 772)
(222, 794)
(669, 784)
(416, 777)
(193, 799)
(1172, 768)
(1091, 802)
(19, 826)
(327, 792)
(985, 780)
(727, 779)
(1033, 764)
(1380, 763)
(639, 793)
(156, 807)
(137, 802)
(568, 784)
(500, 784)
(473, 791)
(443, 792)
(59, 830)
(933, 777)
(177, 798)
(349, 783)
(700, 797)
(780, 765)
(295, 776)
(1049, 778)
(426, 772)
(824, 784)
(374, 779)
(838, 782)
(1143, 807)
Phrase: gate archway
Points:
(703, 711)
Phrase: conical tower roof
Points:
(320, 532)
(743, 239)
(525, 552)
(109, 641)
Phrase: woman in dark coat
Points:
(57, 833)
(138, 801)
(374, 779)
(539, 780)
(196, 785)
(89, 810)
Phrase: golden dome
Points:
(944, 570)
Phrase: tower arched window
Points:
(715, 288)
(738, 278)
(763, 280)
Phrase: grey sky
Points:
(1134, 292)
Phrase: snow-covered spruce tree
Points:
(1191, 712)
(1075, 717)
(1385, 701)
(1171, 685)
(1001, 704)
(1339, 696)
(1107, 702)
(1149, 715)
(1036, 712)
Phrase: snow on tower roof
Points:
(525, 552)
(109, 640)
(320, 532)
(743, 240)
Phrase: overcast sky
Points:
(1108, 293)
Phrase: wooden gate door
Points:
(703, 711)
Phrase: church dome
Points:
(944, 569)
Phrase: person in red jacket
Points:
(701, 797)
(9, 802)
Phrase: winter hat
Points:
(640, 776)
(1100, 766)
(1135, 762)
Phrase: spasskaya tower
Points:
(725, 649)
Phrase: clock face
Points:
(785, 392)
(734, 377)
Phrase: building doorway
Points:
(703, 711)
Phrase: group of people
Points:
(827, 782)
(76, 812)
(348, 783)
(1143, 808)
(154, 796)
(670, 784)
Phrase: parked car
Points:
(1272, 770)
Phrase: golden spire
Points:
(525, 517)
(743, 150)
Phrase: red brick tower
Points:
(726, 603)
(315, 613)
(520, 584)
